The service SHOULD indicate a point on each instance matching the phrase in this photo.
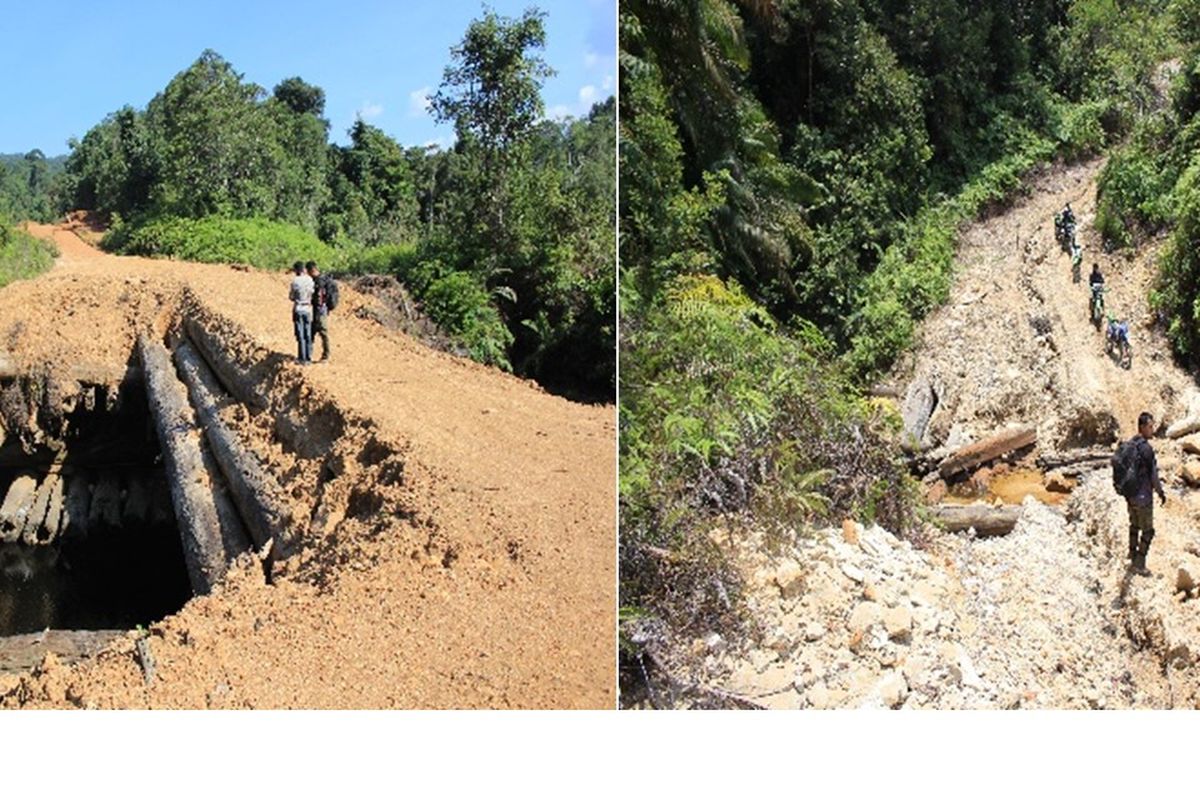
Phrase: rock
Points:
(761, 659)
(892, 689)
(1056, 481)
(789, 577)
(1191, 473)
(849, 531)
(852, 572)
(1183, 427)
(819, 696)
(1191, 444)
(814, 631)
(898, 622)
(1185, 579)
(778, 641)
(917, 407)
(714, 641)
(869, 592)
(936, 492)
(867, 613)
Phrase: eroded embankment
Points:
(406, 567)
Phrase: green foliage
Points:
(914, 275)
(22, 255)
(263, 243)
(524, 208)
(28, 184)
(725, 413)
(461, 306)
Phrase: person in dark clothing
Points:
(1141, 504)
(324, 298)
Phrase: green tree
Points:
(491, 93)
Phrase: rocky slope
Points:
(1048, 615)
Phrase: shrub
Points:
(462, 307)
(23, 255)
(724, 414)
(266, 244)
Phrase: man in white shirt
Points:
(301, 295)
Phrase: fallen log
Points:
(211, 532)
(987, 449)
(235, 379)
(1069, 458)
(262, 503)
(986, 520)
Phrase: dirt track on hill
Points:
(462, 545)
(1048, 615)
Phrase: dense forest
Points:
(506, 239)
(1150, 187)
(793, 177)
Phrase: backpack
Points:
(331, 293)
(1127, 468)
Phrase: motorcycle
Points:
(1096, 306)
(1117, 343)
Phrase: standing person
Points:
(1135, 475)
(301, 295)
(325, 300)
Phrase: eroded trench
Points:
(128, 489)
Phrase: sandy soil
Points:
(461, 545)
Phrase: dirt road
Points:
(471, 561)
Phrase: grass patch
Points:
(23, 255)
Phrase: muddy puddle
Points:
(1009, 487)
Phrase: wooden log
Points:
(233, 377)
(1069, 458)
(992, 447)
(986, 520)
(77, 502)
(105, 509)
(16, 506)
(23, 652)
(262, 503)
(211, 532)
(136, 508)
(37, 512)
(54, 511)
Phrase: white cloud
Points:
(587, 95)
(590, 59)
(607, 83)
(370, 111)
(418, 101)
(559, 111)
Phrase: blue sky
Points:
(66, 64)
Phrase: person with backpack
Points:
(325, 299)
(1096, 282)
(1135, 476)
(301, 295)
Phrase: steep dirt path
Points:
(1015, 344)
(519, 611)
(1047, 616)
